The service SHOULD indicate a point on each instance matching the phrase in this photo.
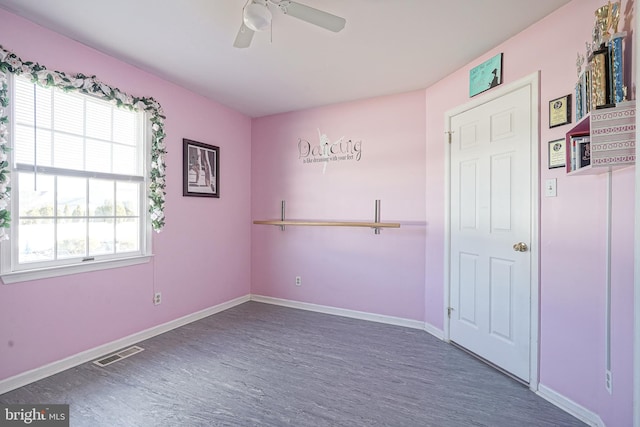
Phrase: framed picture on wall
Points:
(557, 154)
(560, 111)
(486, 75)
(201, 169)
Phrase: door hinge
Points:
(449, 132)
(449, 310)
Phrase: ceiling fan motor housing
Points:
(257, 16)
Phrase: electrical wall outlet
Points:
(157, 298)
(298, 281)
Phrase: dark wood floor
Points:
(263, 365)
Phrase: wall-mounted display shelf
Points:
(376, 224)
(602, 141)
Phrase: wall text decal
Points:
(327, 151)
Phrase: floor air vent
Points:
(123, 354)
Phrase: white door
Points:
(490, 282)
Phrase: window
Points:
(79, 181)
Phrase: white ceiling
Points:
(386, 47)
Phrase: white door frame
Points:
(532, 80)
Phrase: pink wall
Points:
(343, 267)
(572, 227)
(397, 273)
(46, 320)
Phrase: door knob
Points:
(520, 247)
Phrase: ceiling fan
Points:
(256, 16)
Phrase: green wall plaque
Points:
(486, 75)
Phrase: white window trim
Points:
(9, 276)
(46, 273)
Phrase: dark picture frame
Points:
(557, 153)
(486, 75)
(201, 169)
(560, 111)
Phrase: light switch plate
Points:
(550, 188)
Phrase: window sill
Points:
(45, 273)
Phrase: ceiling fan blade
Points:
(313, 16)
(244, 37)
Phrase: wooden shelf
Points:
(282, 222)
(329, 223)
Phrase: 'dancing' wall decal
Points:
(326, 151)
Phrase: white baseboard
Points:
(569, 406)
(390, 320)
(438, 333)
(94, 353)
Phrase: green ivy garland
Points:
(10, 63)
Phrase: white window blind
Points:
(79, 186)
